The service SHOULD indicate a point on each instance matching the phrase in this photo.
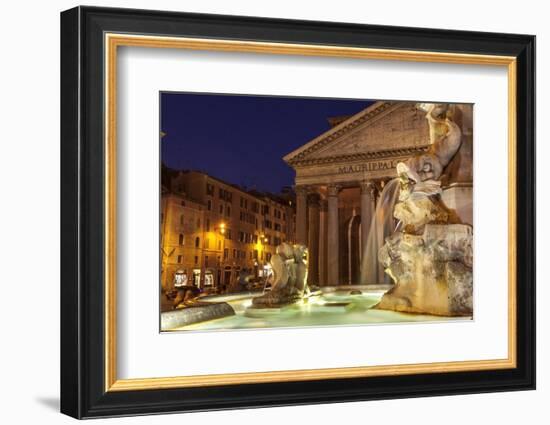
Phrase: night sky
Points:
(242, 139)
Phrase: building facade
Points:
(341, 174)
(214, 232)
(181, 225)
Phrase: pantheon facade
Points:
(341, 173)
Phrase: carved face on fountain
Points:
(420, 168)
(301, 254)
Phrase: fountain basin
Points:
(334, 306)
(195, 314)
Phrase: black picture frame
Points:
(83, 392)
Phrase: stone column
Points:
(367, 212)
(323, 243)
(313, 240)
(301, 215)
(333, 269)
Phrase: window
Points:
(225, 195)
(255, 254)
(234, 253)
(206, 261)
(207, 243)
(207, 224)
(219, 245)
(209, 205)
(183, 203)
(196, 259)
(181, 219)
(209, 189)
(180, 259)
(198, 223)
(221, 209)
(161, 217)
(197, 242)
(226, 253)
(277, 227)
(228, 210)
(181, 239)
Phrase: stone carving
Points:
(398, 125)
(432, 271)
(401, 125)
(289, 265)
(445, 139)
(430, 259)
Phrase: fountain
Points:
(430, 259)
(288, 286)
(419, 238)
(382, 225)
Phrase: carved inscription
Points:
(368, 166)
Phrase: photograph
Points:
(291, 212)
(264, 211)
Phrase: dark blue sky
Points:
(242, 139)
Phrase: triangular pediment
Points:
(382, 127)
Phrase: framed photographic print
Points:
(261, 212)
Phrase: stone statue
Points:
(445, 139)
(430, 259)
(288, 284)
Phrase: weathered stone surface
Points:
(416, 213)
(199, 312)
(431, 258)
(432, 271)
(289, 284)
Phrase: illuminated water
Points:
(330, 309)
(382, 226)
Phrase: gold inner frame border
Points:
(112, 41)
